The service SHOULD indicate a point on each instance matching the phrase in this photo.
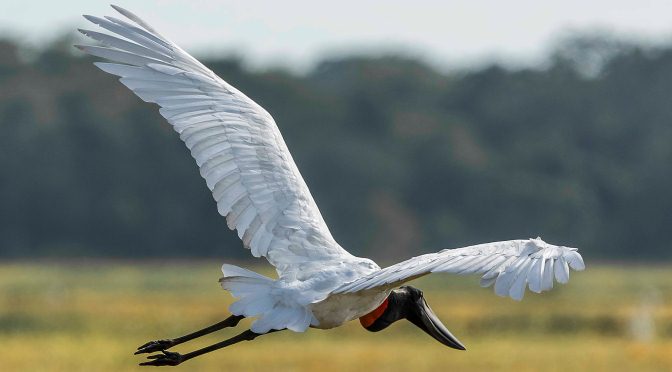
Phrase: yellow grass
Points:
(92, 317)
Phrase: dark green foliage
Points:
(401, 159)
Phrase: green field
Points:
(91, 317)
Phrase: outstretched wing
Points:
(509, 265)
(236, 144)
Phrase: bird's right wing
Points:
(510, 265)
(236, 143)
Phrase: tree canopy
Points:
(401, 158)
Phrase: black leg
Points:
(172, 359)
(160, 345)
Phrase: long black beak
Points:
(424, 318)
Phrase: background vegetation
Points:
(91, 317)
(400, 157)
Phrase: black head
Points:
(409, 303)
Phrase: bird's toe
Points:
(152, 346)
(166, 359)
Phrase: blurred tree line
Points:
(401, 158)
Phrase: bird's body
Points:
(305, 299)
(310, 293)
(259, 189)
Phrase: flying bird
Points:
(258, 188)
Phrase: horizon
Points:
(447, 37)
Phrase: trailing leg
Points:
(160, 345)
(172, 359)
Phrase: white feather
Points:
(191, 96)
(510, 265)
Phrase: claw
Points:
(152, 346)
(166, 359)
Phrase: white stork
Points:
(258, 188)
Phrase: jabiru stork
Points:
(244, 160)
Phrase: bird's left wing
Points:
(236, 143)
(510, 265)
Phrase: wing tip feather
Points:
(92, 18)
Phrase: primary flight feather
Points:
(258, 188)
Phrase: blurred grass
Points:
(91, 317)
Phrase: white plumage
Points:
(509, 265)
(258, 188)
(236, 144)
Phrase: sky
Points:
(296, 34)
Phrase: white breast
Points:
(338, 309)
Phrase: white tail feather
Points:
(258, 296)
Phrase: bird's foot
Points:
(152, 346)
(166, 359)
